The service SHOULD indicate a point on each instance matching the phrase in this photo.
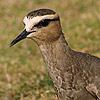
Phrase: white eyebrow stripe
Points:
(29, 22)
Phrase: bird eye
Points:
(42, 23)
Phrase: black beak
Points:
(22, 36)
(19, 38)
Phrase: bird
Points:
(75, 75)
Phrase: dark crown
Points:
(40, 12)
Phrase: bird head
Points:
(42, 26)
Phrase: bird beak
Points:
(22, 36)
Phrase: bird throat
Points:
(57, 56)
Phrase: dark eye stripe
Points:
(44, 22)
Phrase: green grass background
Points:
(23, 74)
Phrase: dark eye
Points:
(42, 23)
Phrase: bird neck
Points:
(56, 54)
(58, 57)
(55, 51)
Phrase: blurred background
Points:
(23, 74)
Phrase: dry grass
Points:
(23, 75)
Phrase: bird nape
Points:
(75, 75)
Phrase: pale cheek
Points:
(31, 35)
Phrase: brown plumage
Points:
(75, 75)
